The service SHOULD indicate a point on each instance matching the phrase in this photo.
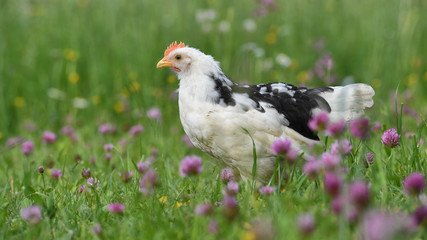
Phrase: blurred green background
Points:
(95, 60)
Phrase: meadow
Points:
(91, 144)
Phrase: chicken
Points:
(224, 119)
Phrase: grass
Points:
(85, 63)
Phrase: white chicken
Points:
(215, 111)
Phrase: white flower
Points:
(80, 103)
(205, 15)
(55, 93)
(283, 60)
(267, 64)
(249, 25)
(224, 26)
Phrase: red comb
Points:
(173, 46)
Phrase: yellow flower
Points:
(96, 99)
(133, 76)
(135, 86)
(125, 92)
(73, 77)
(19, 102)
(274, 28)
(294, 65)
(376, 83)
(302, 77)
(247, 225)
(82, 3)
(70, 55)
(271, 38)
(119, 107)
(163, 199)
(171, 79)
(178, 204)
(274, 75)
(157, 92)
(411, 80)
(248, 235)
(416, 62)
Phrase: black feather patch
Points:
(224, 90)
(295, 103)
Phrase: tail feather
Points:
(348, 102)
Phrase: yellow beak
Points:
(164, 63)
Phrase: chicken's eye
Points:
(178, 57)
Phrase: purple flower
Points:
(337, 204)
(230, 207)
(148, 182)
(332, 184)
(41, 169)
(213, 227)
(359, 128)
(107, 129)
(312, 168)
(108, 147)
(342, 147)
(155, 113)
(55, 173)
(86, 173)
(267, 190)
(93, 182)
(83, 188)
(336, 129)
(67, 130)
(377, 126)
(359, 194)
(191, 166)
(368, 159)
(281, 146)
(135, 130)
(414, 184)
(122, 142)
(92, 160)
(330, 161)
(226, 175)
(231, 189)
(27, 147)
(267, 2)
(203, 209)
(378, 225)
(420, 216)
(97, 229)
(186, 139)
(143, 167)
(49, 137)
(32, 215)
(306, 223)
(319, 44)
(13, 142)
(319, 122)
(126, 177)
(116, 208)
(390, 138)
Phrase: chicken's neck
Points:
(210, 88)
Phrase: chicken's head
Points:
(185, 60)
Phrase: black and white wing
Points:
(296, 104)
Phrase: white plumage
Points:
(214, 111)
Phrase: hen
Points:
(216, 112)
